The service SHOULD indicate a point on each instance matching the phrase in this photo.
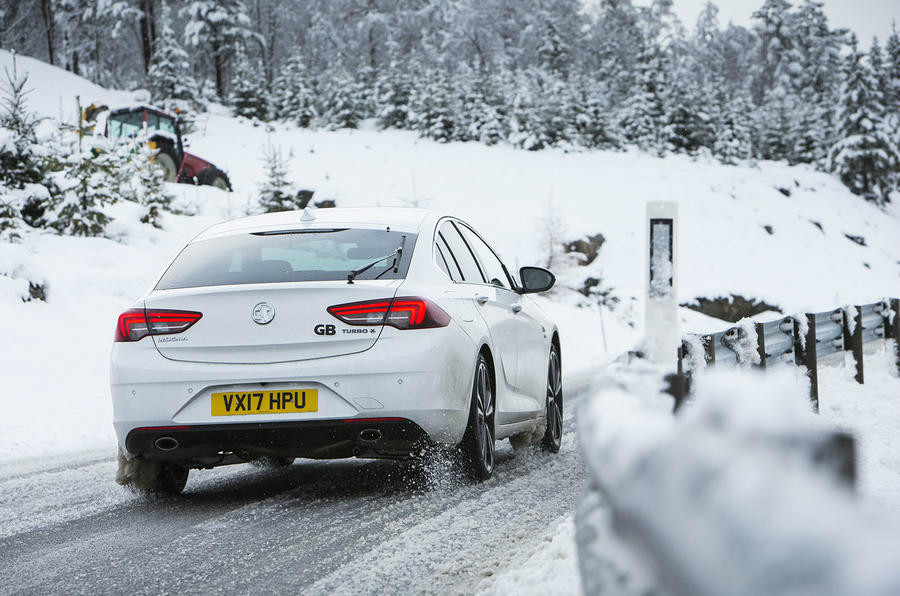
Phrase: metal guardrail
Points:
(801, 340)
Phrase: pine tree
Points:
(732, 142)
(774, 125)
(169, 76)
(294, 93)
(217, 27)
(892, 96)
(593, 124)
(276, 193)
(866, 157)
(395, 95)
(434, 110)
(248, 94)
(642, 116)
(556, 112)
(481, 113)
(525, 128)
(892, 74)
(89, 184)
(150, 184)
(341, 107)
(26, 190)
(775, 35)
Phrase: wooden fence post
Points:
(709, 350)
(805, 354)
(853, 341)
(892, 329)
(761, 344)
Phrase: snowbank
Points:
(723, 499)
(872, 412)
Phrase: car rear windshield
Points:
(288, 256)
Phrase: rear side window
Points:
(490, 263)
(461, 253)
(443, 263)
(444, 251)
(294, 255)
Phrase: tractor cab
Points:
(163, 131)
(129, 122)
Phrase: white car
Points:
(332, 333)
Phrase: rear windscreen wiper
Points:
(397, 254)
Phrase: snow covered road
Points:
(340, 527)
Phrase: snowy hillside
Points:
(509, 194)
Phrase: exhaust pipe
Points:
(166, 443)
(370, 435)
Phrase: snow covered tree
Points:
(26, 191)
(396, 91)
(892, 75)
(866, 157)
(248, 94)
(341, 107)
(555, 113)
(434, 109)
(89, 184)
(774, 28)
(169, 76)
(481, 110)
(217, 27)
(150, 186)
(642, 115)
(294, 94)
(732, 142)
(525, 129)
(276, 192)
(774, 125)
(615, 41)
(593, 122)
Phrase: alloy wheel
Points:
(553, 435)
(484, 416)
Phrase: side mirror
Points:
(536, 279)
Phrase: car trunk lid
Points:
(268, 323)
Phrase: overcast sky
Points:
(865, 17)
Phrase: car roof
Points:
(401, 219)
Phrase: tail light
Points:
(402, 313)
(138, 323)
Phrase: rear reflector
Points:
(138, 323)
(403, 313)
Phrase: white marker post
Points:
(662, 324)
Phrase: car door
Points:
(494, 307)
(528, 330)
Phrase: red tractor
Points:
(164, 132)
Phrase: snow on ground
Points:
(550, 568)
(872, 412)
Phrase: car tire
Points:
(554, 409)
(478, 441)
(171, 478)
(166, 161)
(213, 176)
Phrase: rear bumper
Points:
(423, 377)
(377, 437)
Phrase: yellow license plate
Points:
(279, 401)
